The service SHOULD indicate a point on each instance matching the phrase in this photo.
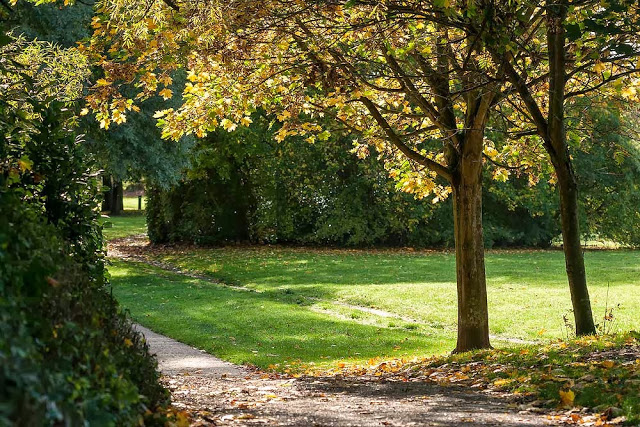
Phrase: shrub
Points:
(68, 355)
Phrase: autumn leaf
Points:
(228, 125)
(608, 364)
(567, 397)
(165, 93)
(598, 67)
(25, 164)
(182, 419)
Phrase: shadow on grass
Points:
(267, 328)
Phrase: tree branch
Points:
(441, 170)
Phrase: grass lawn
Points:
(116, 227)
(131, 203)
(263, 329)
(301, 301)
(528, 291)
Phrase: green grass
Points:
(268, 328)
(528, 291)
(301, 307)
(116, 227)
(131, 203)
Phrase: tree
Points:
(417, 80)
(413, 88)
(553, 52)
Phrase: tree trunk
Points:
(108, 194)
(118, 198)
(473, 317)
(574, 259)
(556, 145)
(113, 201)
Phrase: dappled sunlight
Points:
(252, 327)
(527, 290)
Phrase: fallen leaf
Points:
(567, 397)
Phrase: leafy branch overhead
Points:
(409, 77)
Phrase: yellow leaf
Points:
(25, 164)
(502, 382)
(182, 419)
(567, 397)
(165, 93)
(629, 91)
(128, 342)
(84, 111)
(284, 116)
(608, 364)
(246, 121)
(599, 67)
(228, 125)
(103, 82)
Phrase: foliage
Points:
(243, 185)
(67, 352)
(607, 160)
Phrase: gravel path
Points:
(220, 393)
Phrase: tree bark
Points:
(574, 258)
(107, 195)
(473, 317)
(113, 201)
(117, 205)
(556, 146)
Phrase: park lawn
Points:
(295, 308)
(116, 227)
(271, 329)
(131, 203)
(527, 290)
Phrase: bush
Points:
(243, 187)
(68, 355)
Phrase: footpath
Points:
(216, 392)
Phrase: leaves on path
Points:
(588, 381)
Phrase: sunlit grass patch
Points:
(116, 227)
(269, 328)
(528, 290)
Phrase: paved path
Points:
(220, 393)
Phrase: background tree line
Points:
(245, 186)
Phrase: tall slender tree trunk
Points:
(574, 258)
(556, 145)
(473, 317)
